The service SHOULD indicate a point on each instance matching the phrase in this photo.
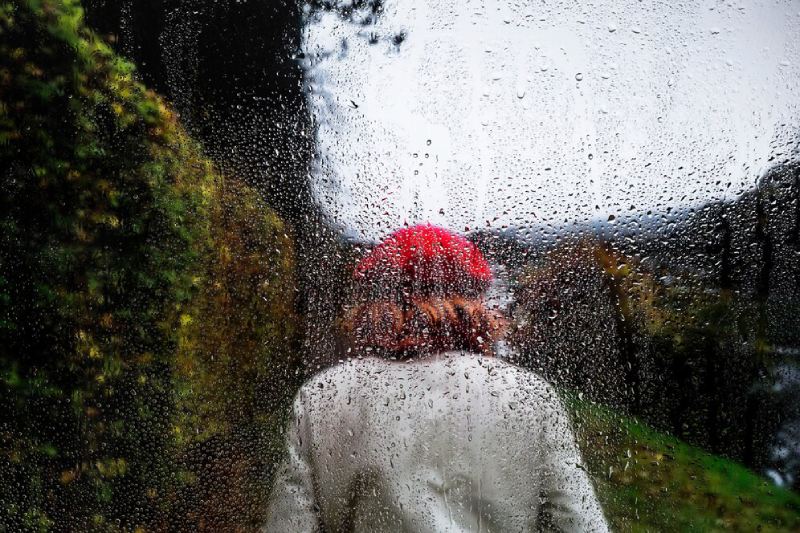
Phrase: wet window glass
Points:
(399, 265)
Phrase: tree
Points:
(118, 239)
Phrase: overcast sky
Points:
(467, 113)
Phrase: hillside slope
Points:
(649, 481)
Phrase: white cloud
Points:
(522, 114)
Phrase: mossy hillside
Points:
(650, 481)
(118, 243)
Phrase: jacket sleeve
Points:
(568, 498)
(291, 504)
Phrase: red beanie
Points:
(424, 260)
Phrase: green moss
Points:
(650, 481)
(114, 234)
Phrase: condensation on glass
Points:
(210, 206)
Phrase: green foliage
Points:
(650, 481)
(115, 250)
(677, 350)
(236, 367)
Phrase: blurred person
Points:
(423, 429)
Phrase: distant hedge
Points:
(146, 319)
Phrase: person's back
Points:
(449, 442)
(431, 433)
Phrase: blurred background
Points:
(187, 184)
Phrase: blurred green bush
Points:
(145, 299)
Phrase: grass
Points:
(650, 481)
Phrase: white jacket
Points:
(452, 442)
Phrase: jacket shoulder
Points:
(341, 377)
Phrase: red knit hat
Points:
(424, 260)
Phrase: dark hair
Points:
(424, 325)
